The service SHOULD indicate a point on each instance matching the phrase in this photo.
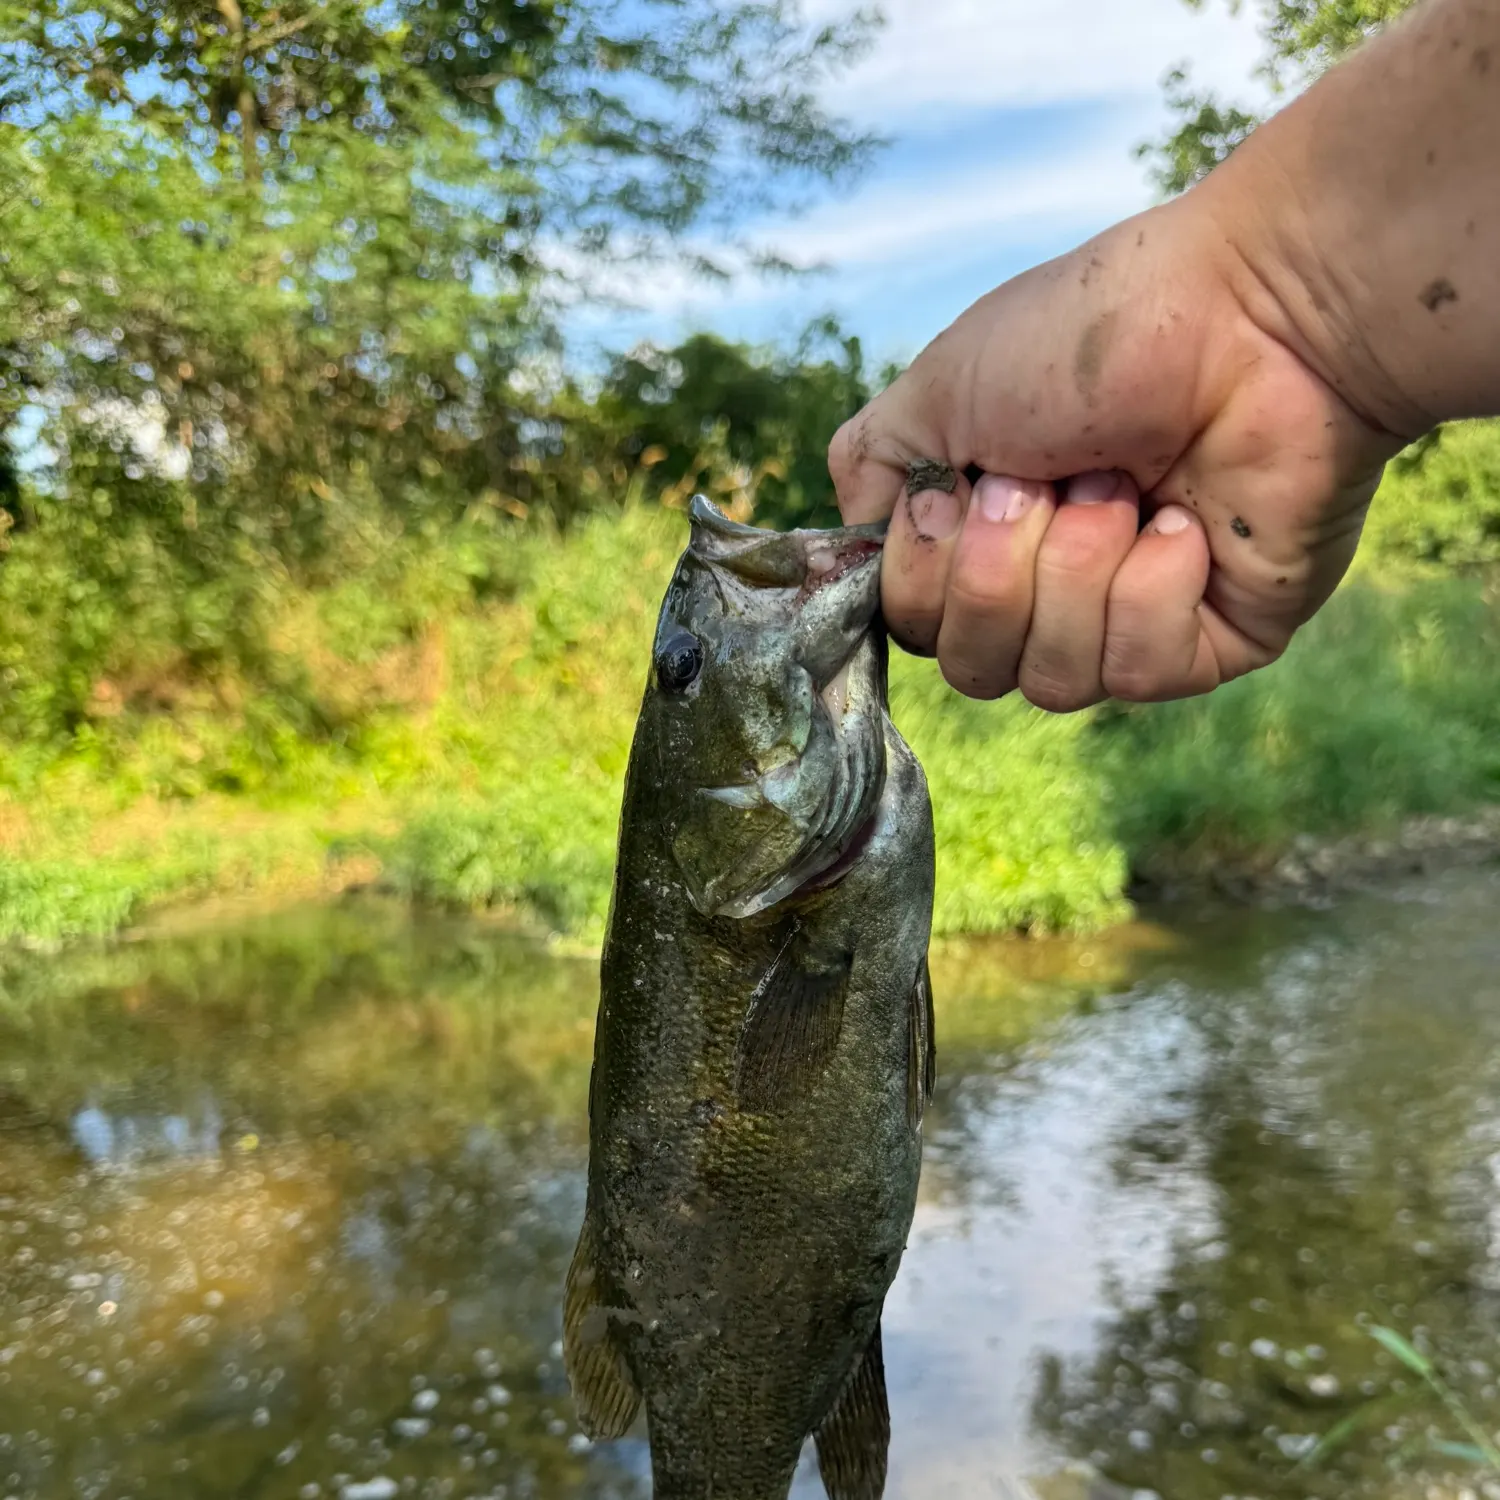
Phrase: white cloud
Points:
(946, 57)
(892, 220)
(976, 188)
(907, 222)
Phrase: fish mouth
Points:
(850, 711)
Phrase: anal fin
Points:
(603, 1388)
(791, 1031)
(855, 1438)
(921, 1071)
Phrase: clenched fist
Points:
(1135, 471)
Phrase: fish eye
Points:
(679, 661)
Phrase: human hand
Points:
(1149, 376)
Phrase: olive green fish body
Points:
(759, 1068)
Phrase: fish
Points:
(764, 1049)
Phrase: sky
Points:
(1012, 126)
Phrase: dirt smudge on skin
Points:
(1088, 363)
(1437, 292)
(930, 474)
(920, 535)
(923, 477)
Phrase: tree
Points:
(315, 239)
(283, 276)
(751, 426)
(1302, 39)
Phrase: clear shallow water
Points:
(285, 1210)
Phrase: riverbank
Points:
(475, 757)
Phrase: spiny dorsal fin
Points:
(921, 1070)
(603, 1389)
(791, 1031)
(855, 1437)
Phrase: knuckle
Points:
(1082, 545)
(972, 681)
(841, 462)
(1063, 560)
(916, 636)
(992, 595)
(1137, 682)
(908, 608)
(913, 625)
(1134, 668)
(1055, 694)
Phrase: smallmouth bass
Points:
(764, 1046)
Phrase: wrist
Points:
(1279, 234)
(1367, 216)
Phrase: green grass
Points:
(465, 745)
(1385, 707)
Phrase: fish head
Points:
(765, 709)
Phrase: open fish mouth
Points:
(849, 737)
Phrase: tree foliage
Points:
(1301, 38)
(321, 242)
(282, 278)
(712, 415)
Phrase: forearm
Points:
(1367, 220)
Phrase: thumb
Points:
(872, 453)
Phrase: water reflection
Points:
(285, 1211)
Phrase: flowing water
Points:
(285, 1211)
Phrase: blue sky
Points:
(1012, 126)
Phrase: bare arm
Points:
(1370, 209)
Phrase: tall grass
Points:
(1385, 706)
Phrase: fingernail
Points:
(935, 515)
(1093, 489)
(1003, 499)
(1170, 519)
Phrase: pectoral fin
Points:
(855, 1438)
(791, 1031)
(603, 1388)
(921, 1071)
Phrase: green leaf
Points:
(1404, 1350)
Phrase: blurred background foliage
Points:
(321, 560)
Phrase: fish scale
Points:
(762, 1053)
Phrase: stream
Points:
(286, 1205)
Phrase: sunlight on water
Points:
(285, 1211)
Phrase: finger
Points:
(990, 585)
(1155, 646)
(870, 453)
(1062, 665)
(918, 552)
